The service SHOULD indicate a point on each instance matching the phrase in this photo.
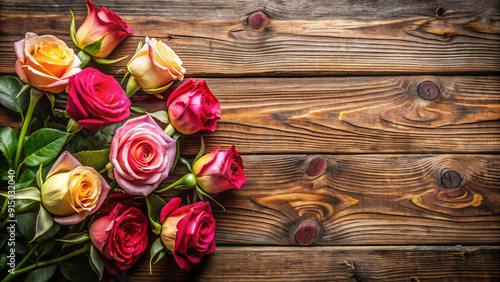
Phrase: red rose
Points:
(219, 170)
(96, 99)
(192, 107)
(101, 22)
(121, 233)
(188, 232)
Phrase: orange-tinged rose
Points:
(45, 62)
(155, 65)
(72, 191)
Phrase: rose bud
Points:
(192, 107)
(142, 155)
(96, 100)
(101, 22)
(154, 66)
(219, 170)
(188, 232)
(71, 191)
(120, 232)
(45, 62)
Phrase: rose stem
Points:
(47, 263)
(33, 100)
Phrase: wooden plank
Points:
(362, 200)
(323, 38)
(349, 115)
(431, 263)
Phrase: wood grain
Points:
(348, 115)
(317, 39)
(362, 200)
(436, 263)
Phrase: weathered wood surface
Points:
(318, 38)
(468, 263)
(363, 200)
(349, 115)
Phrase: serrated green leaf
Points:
(72, 29)
(156, 248)
(8, 144)
(41, 274)
(43, 222)
(97, 262)
(96, 159)
(94, 47)
(13, 94)
(43, 145)
(108, 62)
(155, 204)
(161, 116)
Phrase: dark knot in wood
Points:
(428, 90)
(450, 179)
(316, 166)
(307, 232)
(257, 21)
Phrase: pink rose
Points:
(192, 107)
(121, 232)
(188, 232)
(71, 191)
(96, 100)
(142, 154)
(219, 170)
(100, 22)
(45, 62)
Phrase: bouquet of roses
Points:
(81, 177)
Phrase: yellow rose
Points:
(45, 62)
(71, 191)
(155, 65)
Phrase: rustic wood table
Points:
(369, 130)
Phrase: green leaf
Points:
(43, 222)
(108, 62)
(84, 58)
(72, 29)
(24, 206)
(139, 110)
(52, 99)
(41, 274)
(3, 261)
(161, 116)
(75, 238)
(177, 154)
(155, 204)
(202, 149)
(13, 94)
(46, 248)
(26, 184)
(78, 269)
(187, 164)
(30, 193)
(156, 248)
(158, 90)
(96, 159)
(43, 145)
(97, 262)
(26, 223)
(8, 144)
(54, 125)
(94, 47)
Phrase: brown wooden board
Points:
(317, 38)
(433, 263)
(362, 200)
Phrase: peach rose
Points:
(71, 191)
(155, 65)
(45, 62)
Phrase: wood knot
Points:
(307, 232)
(450, 179)
(428, 90)
(316, 166)
(440, 12)
(257, 21)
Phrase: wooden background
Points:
(351, 174)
